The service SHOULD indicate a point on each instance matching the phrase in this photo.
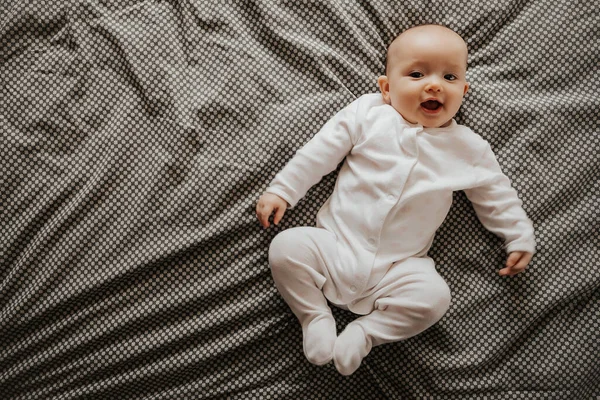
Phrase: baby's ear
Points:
(466, 88)
(384, 86)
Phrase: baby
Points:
(404, 156)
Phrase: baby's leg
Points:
(409, 299)
(298, 258)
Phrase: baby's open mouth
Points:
(431, 105)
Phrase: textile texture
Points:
(137, 136)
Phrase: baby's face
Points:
(426, 79)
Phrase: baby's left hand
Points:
(517, 262)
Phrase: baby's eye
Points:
(415, 74)
(450, 77)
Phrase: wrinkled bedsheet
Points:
(136, 137)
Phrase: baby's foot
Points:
(350, 348)
(319, 339)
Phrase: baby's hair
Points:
(387, 50)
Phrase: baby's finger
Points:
(278, 215)
(508, 271)
(514, 270)
(263, 215)
(526, 258)
(513, 258)
(521, 265)
(264, 221)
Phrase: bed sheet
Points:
(136, 137)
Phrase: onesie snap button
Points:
(372, 241)
(391, 197)
(353, 288)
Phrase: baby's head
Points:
(425, 75)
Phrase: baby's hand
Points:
(517, 262)
(268, 203)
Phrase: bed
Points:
(137, 136)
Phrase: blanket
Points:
(136, 137)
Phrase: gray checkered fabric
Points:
(136, 137)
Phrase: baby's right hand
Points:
(268, 203)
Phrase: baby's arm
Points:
(500, 210)
(320, 156)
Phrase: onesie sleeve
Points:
(498, 206)
(317, 158)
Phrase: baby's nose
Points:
(433, 84)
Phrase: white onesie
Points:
(393, 192)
